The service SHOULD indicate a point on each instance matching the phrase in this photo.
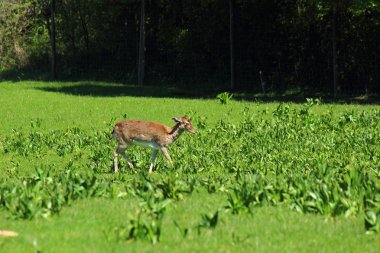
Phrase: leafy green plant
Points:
(45, 194)
(201, 122)
(174, 188)
(371, 221)
(140, 227)
(146, 224)
(208, 221)
(183, 231)
(224, 97)
(372, 210)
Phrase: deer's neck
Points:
(175, 132)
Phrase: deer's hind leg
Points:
(154, 155)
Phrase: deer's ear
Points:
(176, 119)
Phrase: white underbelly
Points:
(147, 144)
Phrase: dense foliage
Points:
(290, 41)
(325, 164)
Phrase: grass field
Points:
(257, 177)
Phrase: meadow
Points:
(257, 176)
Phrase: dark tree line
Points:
(327, 45)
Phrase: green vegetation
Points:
(291, 43)
(263, 177)
(224, 97)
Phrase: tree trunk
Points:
(52, 41)
(86, 34)
(334, 52)
(232, 53)
(141, 62)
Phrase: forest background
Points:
(276, 45)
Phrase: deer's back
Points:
(142, 131)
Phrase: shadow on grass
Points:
(116, 88)
(110, 90)
(300, 96)
(198, 92)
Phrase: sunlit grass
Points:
(211, 162)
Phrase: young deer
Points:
(148, 134)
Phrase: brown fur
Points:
(157, 134)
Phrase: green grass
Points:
(265, 145)
(80, 228)
(27, 101)
(59, 106)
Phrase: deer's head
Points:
(184, 123)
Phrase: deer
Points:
(148, 134)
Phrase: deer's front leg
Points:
(115, 161)
(121, 151)
(166, 154)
